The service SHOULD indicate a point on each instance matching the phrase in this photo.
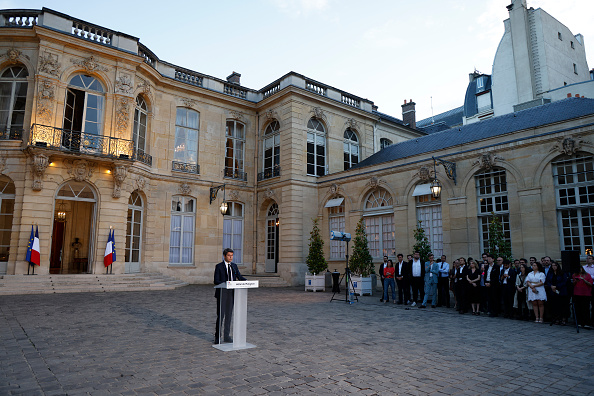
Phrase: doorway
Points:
(272, 239)
(72, 235)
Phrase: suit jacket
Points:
(495, 275)
(220, 275)
(460, 276)
(398, 273)
(410, 268)
(511, 280)
(433, 269)
(381, 269)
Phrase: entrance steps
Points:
(85, 283)
(268, 280)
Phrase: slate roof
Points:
(389, 117)
(562, 110)
(450, 118)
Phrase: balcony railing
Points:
(13, 134)
(21, 18)
(80, 142)
(185, 167)
(140, 155)
(269, 173)
(235, 174)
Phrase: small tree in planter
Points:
(316, 262)
(498, 245)
(422, 242)
(361, 262)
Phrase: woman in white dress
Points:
(536, 291)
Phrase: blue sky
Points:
(382, 50)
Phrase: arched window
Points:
(233, 231)
(351, 149)
(429, 214)
(13, 96)
(134, 233)
(7, 194)
(316, 148)
(491, 193)
(83, 110)
(336, 222)
(379, 223)
(139, 128)
(271, 151)
(235, 150)
(185, 155)
(181, 239)
(384, 143)
(574, 190)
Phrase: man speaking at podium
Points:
(226, 270)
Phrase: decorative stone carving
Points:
(144, 85)
(333, 189)
(124, 84)
(569, 145)
(374, 182)
(139, 183)
(119, 174)
(234, 195)
(89, 64)
(80, 170)
(13, 55)
(122, 114)
(352, 123)
(45, 102)
(425, 174)
(236, 115)
(49, 64)
(40, 164)
(189, 102)
(318, 113)
(269, 193)
(487, 161)
(185, 189)
(270, 115)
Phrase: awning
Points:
(334, 202)
(422, 189)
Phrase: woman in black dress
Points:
(474, 293)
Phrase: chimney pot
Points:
(233, 78)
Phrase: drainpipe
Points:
(255, 207)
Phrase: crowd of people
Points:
(541, 291)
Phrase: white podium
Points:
(237, 290)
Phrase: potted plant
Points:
(316, 262)
(361, 262)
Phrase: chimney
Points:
(408, 114)
(233, 78)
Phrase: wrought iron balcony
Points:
(140, 155)
(185, 167)
(235, 174)
(269, 173)
(13, 134)
(80, 142)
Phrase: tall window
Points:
(429, 214)
(336, 220)
(379, 223)
(351, 149)
(233, 231)
(574, 187)
(13, 95)
(134, 229)
(181, 239)
(186, 136)
(271, 150)
(234, 149)
(7, 194)
(83, 110)
(316, 148)
(384, 143)
(492, 201)
(139, 131)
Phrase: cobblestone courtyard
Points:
(161, 343)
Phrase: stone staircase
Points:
(85, 283)
(267, 280)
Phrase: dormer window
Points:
(559, 36)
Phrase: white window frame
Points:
(181, 202)
(139, 128)
(271, 141)
(336, 222)
(133, 205)
(7, 197)
(186, 150)
(351, 148)
(433, 226)
(574, 193)
(316, 134)
(379, 208)
(491, 191)
(385, 142)
(236, 216)
(21, 77)
(91, 89)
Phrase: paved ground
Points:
(161, 343)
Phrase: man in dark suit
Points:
(492, 285)
(226, 270)
(507, 280)
(399, 274)
(417, 278)
(462, 286)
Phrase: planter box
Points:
(315, 282)
(362, 285)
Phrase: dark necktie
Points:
(229, 275)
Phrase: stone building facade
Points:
(98, 133)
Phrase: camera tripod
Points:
(349, 281)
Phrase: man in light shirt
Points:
(417, 270)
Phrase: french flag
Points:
(108, 257)
(35, 251)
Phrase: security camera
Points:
(340, 236)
